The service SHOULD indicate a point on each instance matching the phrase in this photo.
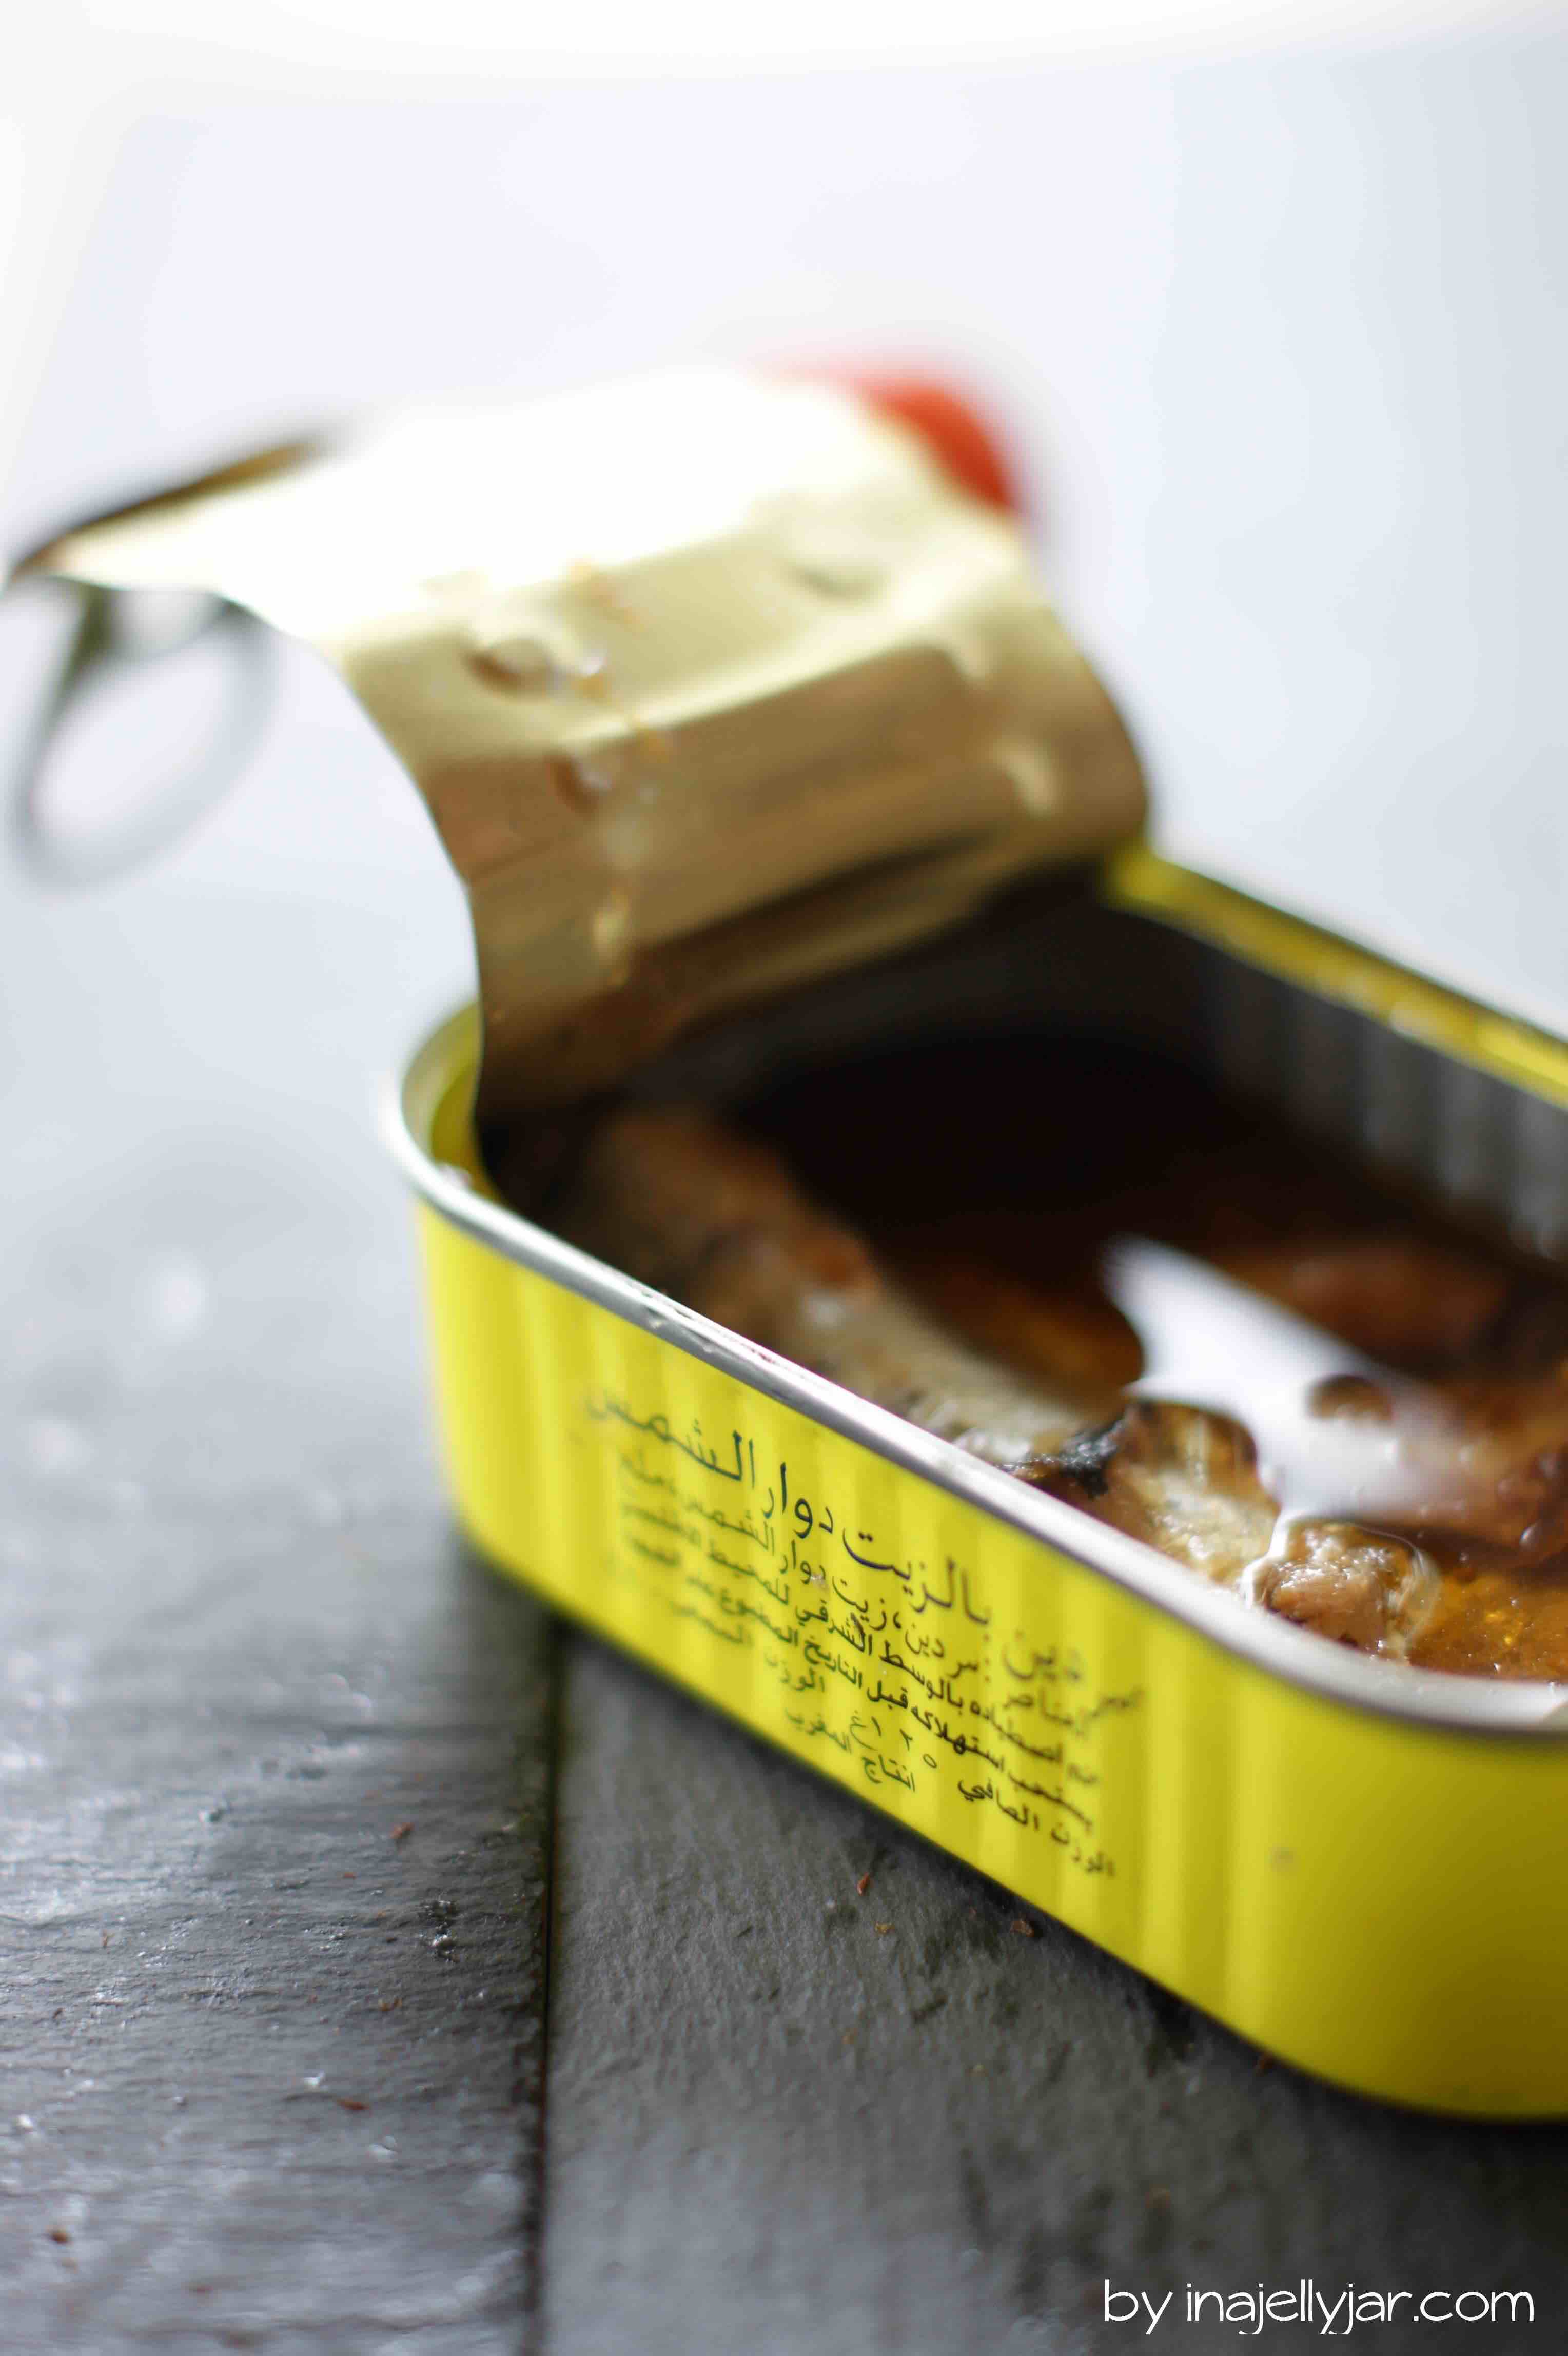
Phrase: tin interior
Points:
(1056, 958)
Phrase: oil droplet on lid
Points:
(601, 590)
(518, 659)
(583, 780)
(516, 643)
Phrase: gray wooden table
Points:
(384, 1967)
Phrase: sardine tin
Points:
(1355, 1865)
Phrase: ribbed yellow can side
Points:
(1381, 1901)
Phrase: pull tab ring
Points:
(117, 632)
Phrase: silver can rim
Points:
(1423, 1697)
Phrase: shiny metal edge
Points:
(1420, 1697)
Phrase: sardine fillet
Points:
(681, 1202)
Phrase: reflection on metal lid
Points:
(714, 682)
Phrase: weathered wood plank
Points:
(274, 1780)
(776, 2124)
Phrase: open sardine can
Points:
(741, 713)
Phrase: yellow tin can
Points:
(1356, 1864)
(720, 691)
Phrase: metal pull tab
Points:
(119, 633)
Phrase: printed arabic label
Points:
(903, 1672)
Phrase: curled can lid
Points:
(715, 682)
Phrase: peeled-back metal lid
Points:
(714, 682)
